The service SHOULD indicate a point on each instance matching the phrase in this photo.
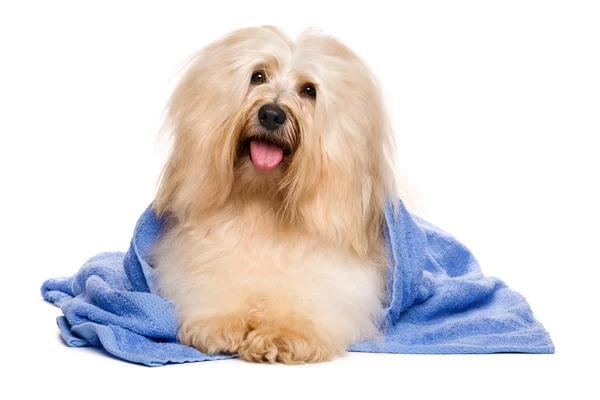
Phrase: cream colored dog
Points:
(273, 198)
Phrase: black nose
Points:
(271, 116)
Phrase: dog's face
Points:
(278, 114)
(299, 126)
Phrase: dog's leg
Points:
(217, 333)
(286, 338)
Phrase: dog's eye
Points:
(309, 90)
(258, 77)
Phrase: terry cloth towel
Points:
(438, 301)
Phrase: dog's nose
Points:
(271, 116)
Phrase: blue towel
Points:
(438, 301)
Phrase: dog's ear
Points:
(349, 160)
(201, 115)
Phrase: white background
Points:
(496, 106)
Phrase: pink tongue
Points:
(265, 155)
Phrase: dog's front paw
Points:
(288, 341)
(213, 334)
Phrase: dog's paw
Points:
(286, 341)
(213, 334)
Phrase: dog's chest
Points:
(245, 247)
(235, 260)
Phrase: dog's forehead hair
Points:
(306, 59)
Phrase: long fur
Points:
(285, 265)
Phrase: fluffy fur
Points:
(284, 265)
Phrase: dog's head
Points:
(299, 126)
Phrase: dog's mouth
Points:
(266, 154)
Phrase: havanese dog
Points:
(273, 198)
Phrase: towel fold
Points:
(438, 301)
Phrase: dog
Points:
(273, 197)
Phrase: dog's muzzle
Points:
(268, 144)
(271, 116)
